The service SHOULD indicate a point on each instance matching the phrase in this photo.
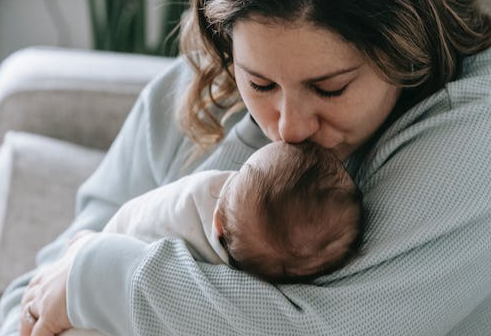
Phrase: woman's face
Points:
(305, 83)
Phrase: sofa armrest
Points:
(79, 96)
(39, 177)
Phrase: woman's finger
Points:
(41, 329)
(30, 293)
(28, 320)
(28, 317)
(44, 303)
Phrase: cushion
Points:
(39, 177)
(74, 95)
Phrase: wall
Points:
(61, 23)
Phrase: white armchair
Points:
(59, 112)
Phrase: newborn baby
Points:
(290, 214)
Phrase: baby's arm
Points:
(121, 221)
(181, 209)
(146, 217)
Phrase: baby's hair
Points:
(309, 211)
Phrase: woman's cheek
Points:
(266, 120)
(261, 111)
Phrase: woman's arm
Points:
(425, 270)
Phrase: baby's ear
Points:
(217, 223)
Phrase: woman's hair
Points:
(415, 44)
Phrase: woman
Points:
(399, 89)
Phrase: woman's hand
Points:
(43, 307)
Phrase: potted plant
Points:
(120, 25)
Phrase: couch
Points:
(59, 112)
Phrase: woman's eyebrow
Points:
(332, 74)
(252, 72)
(321, 78)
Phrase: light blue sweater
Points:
(426, 266)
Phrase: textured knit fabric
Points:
(181, 209)
(425, 269)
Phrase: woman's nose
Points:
(296, 124)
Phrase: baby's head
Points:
(291, 214)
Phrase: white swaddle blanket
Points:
(182, 209)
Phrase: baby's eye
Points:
(262, 88)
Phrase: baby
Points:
(290, 214)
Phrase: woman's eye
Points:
(319, 91)
(330, 94)
(262, 88)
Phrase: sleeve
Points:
(424, 271)
(123, 221)
(125, 172)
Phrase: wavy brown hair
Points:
(416, 44)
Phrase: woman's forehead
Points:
(300, 51)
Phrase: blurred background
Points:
(140, 26)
